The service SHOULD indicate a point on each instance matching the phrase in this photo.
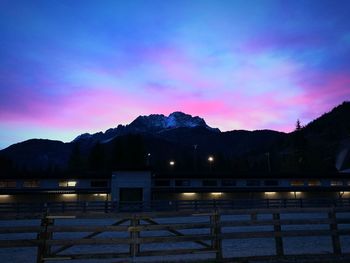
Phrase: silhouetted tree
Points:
(300, 145)
(298, 125)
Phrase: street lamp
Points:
(172, 163)
(148, 159)
(210, 160)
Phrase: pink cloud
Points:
(322, 95)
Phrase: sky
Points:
(70, 67)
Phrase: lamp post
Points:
(148, 159)
(210, 160)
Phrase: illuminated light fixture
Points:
(69, 195)
(216, 193)
(71, 183)
(345, 193)
(210, 159)
(270, 193)
(172, 163)
(296, 194)
(4, 196)
(100, 194)
(188, 194)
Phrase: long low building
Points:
(126, 186)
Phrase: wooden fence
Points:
(195, 233)
(168, 205)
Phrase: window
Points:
(162, 183)
(337, 183)
(67, 183)
(314, 183)
(99, 183)
(31, 183)
(182, 183)
(253, 183)
(8, 184)
(209, 183)
(297, 183)
(228, 182)
(271, 183)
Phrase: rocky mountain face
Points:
(152, 124)
(185, 138)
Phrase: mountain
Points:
(189, 140)
(38, 154)
(152, 124)
(332, 125)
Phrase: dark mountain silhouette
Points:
(35, 155)
(312, 147)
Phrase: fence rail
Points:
(133, 231)
(167, 205)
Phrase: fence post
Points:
(134, 235)
(44, 250)
(334, 232)
(278, 238)
(216, 233)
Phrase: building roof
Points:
(257, 175)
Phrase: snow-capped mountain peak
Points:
(154, 123)
(178, 119)
(174, 120)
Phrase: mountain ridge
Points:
(153, 123)
(174, 136)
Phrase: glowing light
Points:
(188, 194)
(71, 183)
(68, 195)
(216, 193)
(172, 163)
(270, 193)
(295, 193)
(100, 195)
(211, 159)
(337, 183)
(4, 196)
